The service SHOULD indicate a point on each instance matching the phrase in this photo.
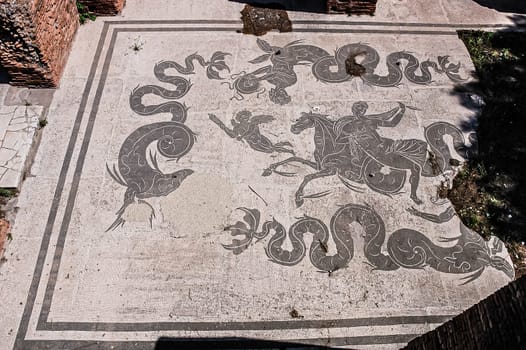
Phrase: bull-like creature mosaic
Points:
(329, 68)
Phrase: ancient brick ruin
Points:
(496, 322)
(36, 37)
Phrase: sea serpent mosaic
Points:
(329, 68)
(406, 248)
(349, 147)
(138, 168)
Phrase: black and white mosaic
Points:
(190, 155)
(138, 168)
(406, 248)
(351, 148)
(328, 68)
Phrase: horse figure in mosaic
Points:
(352, 149)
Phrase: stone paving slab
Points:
(17, 129)
(162, 210)
(20, 113)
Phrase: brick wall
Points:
(36, 36)
(104, 7)
(4, 230)
(497, 322)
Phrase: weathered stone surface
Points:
(172, 276)
(259, 21)
(36, 38)
(17, 128)
(180, 158)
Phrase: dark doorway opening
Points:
(316, 6)
(4, 76)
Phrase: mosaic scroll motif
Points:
(137, 167)
(352, 149)
(329, 68)
(406, 248)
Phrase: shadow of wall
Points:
(167, 343)
(314, 6)
(517, 6)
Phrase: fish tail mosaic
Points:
(138, 168)
(406, 248)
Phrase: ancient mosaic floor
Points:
(194, 182)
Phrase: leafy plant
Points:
(137, 45)
(7, 193)
(487, 193)
(84, 13)
(477, 44)
(42, 123)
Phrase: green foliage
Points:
(485, 49)
(42, 122)
(7, 193)
(488, 193)
(477, 43)
(84, 13)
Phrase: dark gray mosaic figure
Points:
(352, 149)
(445, 216)
(182, 85)
(138, 168)
(329, 68)
(245, 127)
(406, 248)
(143, 180)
